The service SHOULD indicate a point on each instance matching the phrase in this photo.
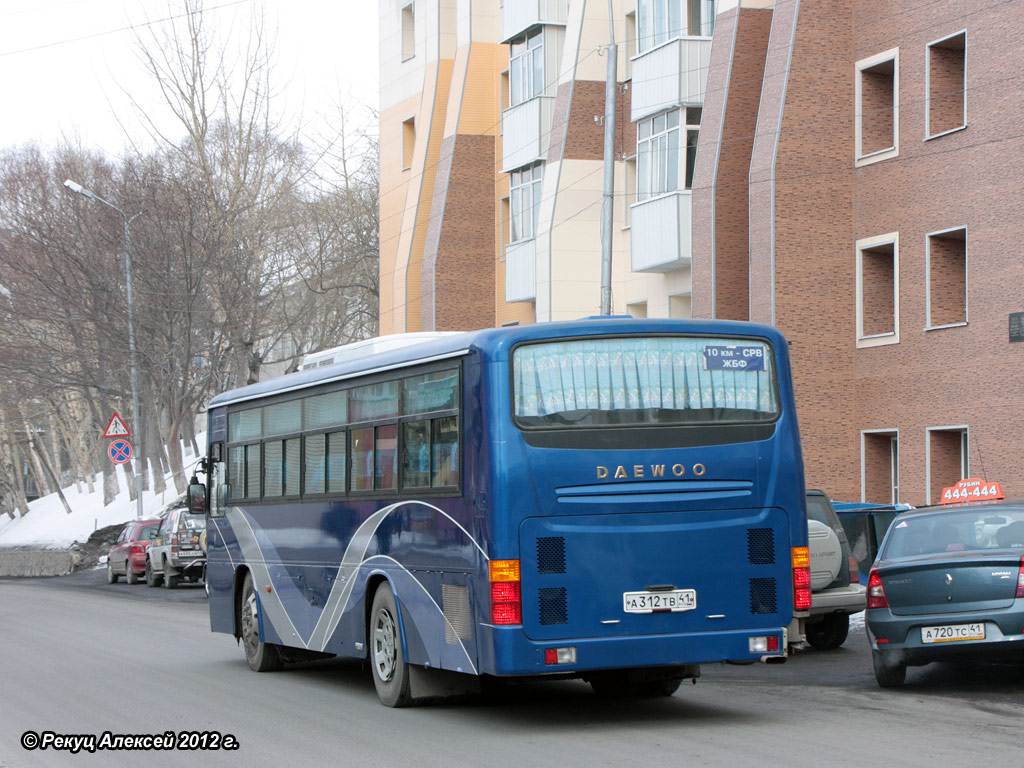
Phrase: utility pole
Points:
(608, 209)
(132, 354)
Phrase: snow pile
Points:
(48, 525)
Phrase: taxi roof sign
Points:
(971, 489)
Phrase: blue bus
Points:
(614, 499)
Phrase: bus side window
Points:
(446, 451)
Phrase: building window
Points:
(637, 309)
(679, 305)
(662, 20)
(526, 67)
(945, 79)
(878, 287)
(524, 201)
(408, 32)
(408, 141)
(658, 168)
(880, 466)
(946, 278)
(947, 459)
(629, 193)
(632, 48)
(877, 87)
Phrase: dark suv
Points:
(835, 591)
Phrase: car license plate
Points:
(190, 554)
(657, 602)
(951, 633)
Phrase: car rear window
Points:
(149, 532)
(817, 509)
(956, 531)
(192, 523)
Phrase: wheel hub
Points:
(384, 644)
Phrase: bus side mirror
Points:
(196, 495)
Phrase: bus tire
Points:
(261, 656)
(390, 672)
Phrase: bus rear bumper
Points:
(506, 651)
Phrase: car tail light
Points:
(854, 570)
(135, 549)
(506, 596)
(876, 592)
(801, 578)
(1020, 579)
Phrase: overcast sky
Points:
(64, 63)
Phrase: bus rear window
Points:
(642, 381)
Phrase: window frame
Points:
(929, 326)
(965, 455)
(523, 83)
(928, 135)
(860, 157)
(889, 337)
(643, 189)
(516, 191)
(407, 31)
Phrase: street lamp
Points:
(133, 362)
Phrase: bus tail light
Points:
(854, 570)
(506, 596)
(1020, 578)
(876, 592)
(801, 578)
(763, 644)
(560, 655)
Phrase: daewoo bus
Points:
(614, 499)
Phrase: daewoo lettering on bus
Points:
(613, 499)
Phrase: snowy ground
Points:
(48, 525)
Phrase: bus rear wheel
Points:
(262, 657)
(390, 672)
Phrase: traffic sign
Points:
(116, 427)
(120, 451)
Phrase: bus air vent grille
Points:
(458, 626)
(761, 546)
(553, 608)
(762, 595)
(551, 554)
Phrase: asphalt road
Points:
(79, 656)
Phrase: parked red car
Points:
(128, 555)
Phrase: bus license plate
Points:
(951, 633)
(651, 602)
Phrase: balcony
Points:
(519, 15)
(526, 132)
(673, 74)
(521, 271)
(660, 237)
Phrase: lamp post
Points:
(132, 358)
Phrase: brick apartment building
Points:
(860, 184)
(848, 171)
